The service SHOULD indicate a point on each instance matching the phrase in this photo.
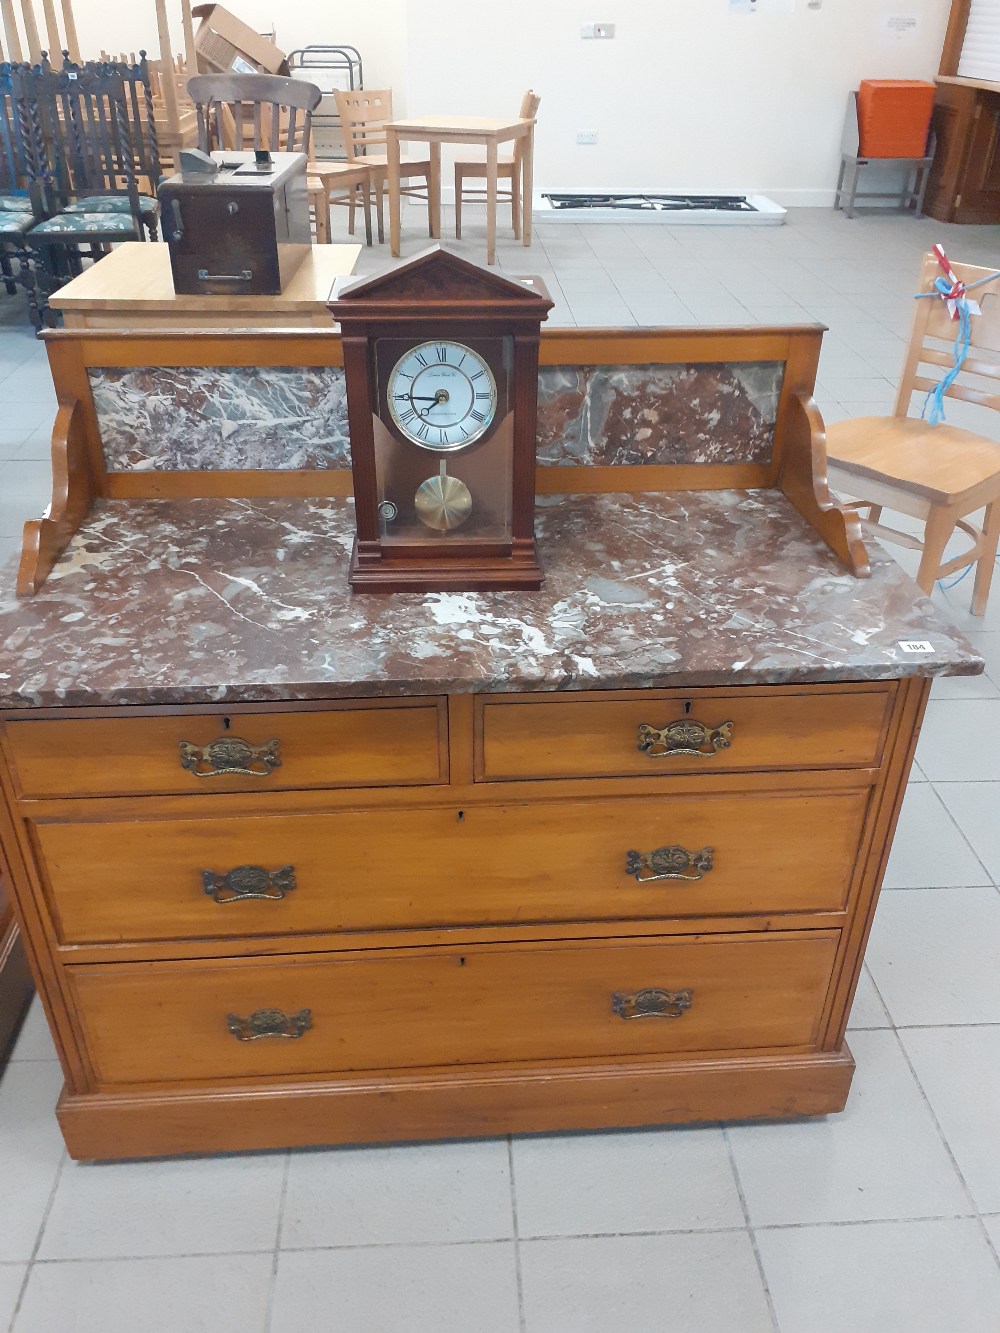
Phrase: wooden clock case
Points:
(440, 295)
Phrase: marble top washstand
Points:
(232, 600)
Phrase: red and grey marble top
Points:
(203, 601)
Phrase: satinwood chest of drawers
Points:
(332, 870)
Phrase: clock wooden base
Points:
(376, 572)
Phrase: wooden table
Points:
(487, 131)
(132, 288)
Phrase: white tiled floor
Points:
(885, 1219)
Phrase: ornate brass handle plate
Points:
(270, 1023)
(685, 736)
(229, 756)
(669, 863)
(652, 1003)
(245, 883)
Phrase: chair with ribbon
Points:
(921, 465)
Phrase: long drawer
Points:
(652, 734)
(379, 869)
(157, 1023)
(367, 744)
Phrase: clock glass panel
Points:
(444, 448)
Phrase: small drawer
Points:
(610, 859)
(328, 1014)
(656, 733)
(403, 743)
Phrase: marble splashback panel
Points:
(193, 419)
(599, 415)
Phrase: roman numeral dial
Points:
(442, 395)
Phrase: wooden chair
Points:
(363, 114)
(344, 183)
(253, 111)
(508, 168)
(940, 474)
(83, 157)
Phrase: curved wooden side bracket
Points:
(73, 493)
(803, 480)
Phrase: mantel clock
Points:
(441, 362)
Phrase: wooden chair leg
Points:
(458, 203)
(366, 204)
(515, 202)
(874, 513)
(350, 211)
(321, 209)
(988, 559)
(940, 526)
(379, 195)
(8, 273)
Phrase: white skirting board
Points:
(766, 213)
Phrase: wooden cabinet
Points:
(426, 917)
(965, 179)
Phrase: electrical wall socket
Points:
(597, 30)
(586, 136)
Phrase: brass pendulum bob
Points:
(442, 502)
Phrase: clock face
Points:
(442, 395)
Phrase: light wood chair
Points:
(940, 474)
(508, 168)
(363, 114)
(345, 183)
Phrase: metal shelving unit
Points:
(330, 68)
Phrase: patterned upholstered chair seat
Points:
(112, 203)
(15, 203)
(87, 224)
(15, 224)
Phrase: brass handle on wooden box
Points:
(244, 275)
(685, 736)
(243, 883)
(669, 863)
(652, 1003)
(229, 756)
(269, 1023)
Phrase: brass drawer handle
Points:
(269, 1023)
(245, 883)
(230, 756)
(669, 863)
(652, 1003)
(685, 736)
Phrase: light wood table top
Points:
(132, 288)
(464, 127)
(489, 131)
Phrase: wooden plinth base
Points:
(439, 1105)
(519, 572)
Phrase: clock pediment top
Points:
(437, 276)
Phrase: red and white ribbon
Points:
(957, 287)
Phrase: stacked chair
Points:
(85, 158)
(17, 215)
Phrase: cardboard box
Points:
(226, 45)
(894, 117)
